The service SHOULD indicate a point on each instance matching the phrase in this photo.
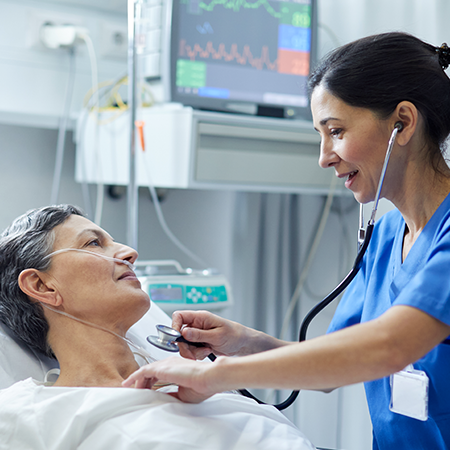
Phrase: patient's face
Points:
(92, 288)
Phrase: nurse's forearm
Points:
(360, 353)
(318, 364)
(257, 341)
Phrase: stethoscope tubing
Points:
(338, 290)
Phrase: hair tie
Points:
(444, 55)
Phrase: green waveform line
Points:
(236, 5)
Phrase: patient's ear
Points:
(35, 284)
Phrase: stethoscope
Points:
(168, 337)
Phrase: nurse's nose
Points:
(328, 158)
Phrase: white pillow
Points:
(18, 362)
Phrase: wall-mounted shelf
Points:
(185, 148)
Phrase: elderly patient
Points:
(41, 289)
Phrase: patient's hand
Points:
(190, 376)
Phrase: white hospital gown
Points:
(36, 417)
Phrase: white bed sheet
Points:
(39, 417)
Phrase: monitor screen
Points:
(250, 56)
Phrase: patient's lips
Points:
(128, 275)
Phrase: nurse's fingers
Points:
(195, 319)
(187, 351)
(191, 352)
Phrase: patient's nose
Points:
(126, 253)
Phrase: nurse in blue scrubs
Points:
(390, 328)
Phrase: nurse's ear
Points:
(37, 285)
(408, 115)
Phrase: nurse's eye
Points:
(335, 131)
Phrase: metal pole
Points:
(132, 193)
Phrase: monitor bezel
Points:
(169, 58)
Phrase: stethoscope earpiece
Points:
(399, 125)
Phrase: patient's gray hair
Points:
(23, 245)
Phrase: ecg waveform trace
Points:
(236, 5)
(245, 58)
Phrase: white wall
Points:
(33, 77)
(346, 20)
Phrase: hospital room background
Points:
(263, 241)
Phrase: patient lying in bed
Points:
(86, 408)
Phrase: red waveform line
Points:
(245, 58)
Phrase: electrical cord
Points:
(161, 218)
(66, 36)
(103, 97)
(318, 236)
(96, 101)
(114, 102)
(169, 233)
(88, 105)
(344, 251)
(62, 130)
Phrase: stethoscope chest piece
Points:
(166, 338)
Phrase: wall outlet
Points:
(113, 40)
(37, 20)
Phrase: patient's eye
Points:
(94, 243)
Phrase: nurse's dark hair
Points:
(23, 245)
(378, 72)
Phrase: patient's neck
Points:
(90, 357)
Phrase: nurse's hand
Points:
(221, 336)
(190, 376)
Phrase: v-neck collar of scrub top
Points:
(402, 272)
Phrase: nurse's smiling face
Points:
(354, 143)
(104, 292)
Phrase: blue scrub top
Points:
(423, 282)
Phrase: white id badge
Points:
(409, 393)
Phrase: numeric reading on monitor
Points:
(244, 51)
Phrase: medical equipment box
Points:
(172, 288)
(186, 148)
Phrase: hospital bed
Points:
(126, 419)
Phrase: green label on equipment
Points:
(191, 73)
